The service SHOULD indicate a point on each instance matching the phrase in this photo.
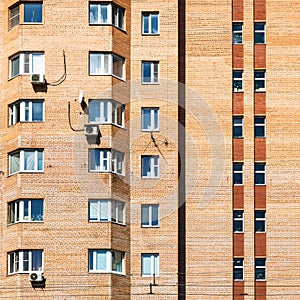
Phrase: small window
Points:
(238, 174)
(149, 215)
(237, 33)
(150, 264)
(27, 160)
(150, 166)
(238, 269)
(25, 261)
(104, 261)
(259, 33)
(260, 127)
(14, 16)
(260, 81)
(150, 117)
(238, 124)
(26, 111)
(33, 12)
(150, 70)
(25, 211)
(260, 220)
(150, 23)
(259, 173)
(237, 81)
(238, 221)
(260, 269)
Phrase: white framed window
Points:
(107, 13)
(238, 173)
(26, 111)
(104, 160)
(150, 166)
(106, 211)
(259, 173)
(27, 63)
(237, 80)
(237, 33)
(259, 80)
(150, 23)
(106, 261)
(26, 160)
(150, 264)
(149, 215)
(106, 112)
(150, 119)
(238, 269)
(107, 64)
(260, 269)
(150, 72)
(238, 127)
(260, 220)
(260, 126)
(14, 16)
(25, 261)
(238, 221)
(259, 33)
(26, 210)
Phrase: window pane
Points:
(38, 65)
(104, 210)
(93, 210)
(37, 111)
(37, 210)
(117, 258)
(94, 160)
(94, 111)
(260, 226)
(154, 215)
(154, 23)
(117, 66)
(101, 260)
(36, 260)
(121, 212)
(14, 16)
(40, 161)
(93, 13)
(33, 12)
(146, 72)
(146, 119)
(145, 23)
(14, 163)
(146, 166)
(145, 215)
(146, 264)
(259, 178)
(25, 260)
(94, 63)
(15, 66)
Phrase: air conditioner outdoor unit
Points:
(91, 130)
(36, 276)
(37, 78)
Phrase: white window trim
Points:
(238, 125)
(236, 32)
(152, 264)
(239, 172)
(257, 219)
(144, 13)
(257, 268)
(238, 79)
(152, 118)
(11, 18)
(261, 125)
(239, 219)
(152, 72)
(239, 267)
(261, 31)
(263, 89)
(150, 215)
(153, 166)
(260, 172)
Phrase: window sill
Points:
(32, 23)
(150, 276)
(105, 172)
(24, 221)
(149, 226)
(98, 221)
(26, 172)
(238, 232)
(150, 34)
(238, 137)
(238, 184)
(108, 24)
(105, 124)
(150, 130)
(107, 272)
(241, 91)
(260, 184)
(150, 83)
(144, 177)
(260, 91)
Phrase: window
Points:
(33, 12)
(103, 160)
(25, 261)
(238, 174)
(150, 166)
(237, 81)
(237, 33)
(238, 124)
(260, 220)
(14, 16)
(150, 71)
(28, 160)
(107, 13)
(259, 33)
(25, 211)
(106, 261)
(106, 112)
(259, 127)
(238, 269)
(259, 173)
(150, 23)
(150, 264)
(238, 221)
(107, 211)
(260, 269)
(107, 64)
(26, 111)
(150, 119)
(260, 81)
(27, 63)
(149, 215)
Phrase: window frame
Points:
(22, 162)
(33, 3)
(236, 172)
(237, 33)
(92, 261)
(154, 166)
(260, 269)
(258, 172)
(238, 265)
(238, 218)
(16, 211)
(12, 15)
(16, 266)
(238, 81)
(151, 28)
(150, 215)
(259, 125)
(154, 119)
(258, 32)
(259, 219)
(154, 264)
(154, 72)
(258, 80)
(238, 127)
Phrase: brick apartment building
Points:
(150, 149)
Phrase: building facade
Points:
(146, 152)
